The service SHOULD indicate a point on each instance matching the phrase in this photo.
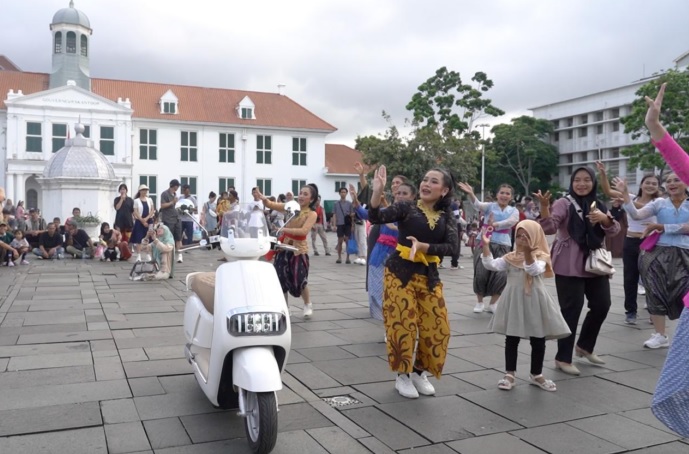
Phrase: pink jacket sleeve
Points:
(675, 156)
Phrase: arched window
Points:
(58, 42)
(31, 198)
(84, 46)
(71, 43)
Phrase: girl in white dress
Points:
(525, 309)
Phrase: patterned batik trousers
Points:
(413, 310)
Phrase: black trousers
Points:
(630, 261)
(570, 293)
(537, 354)
(455, 257)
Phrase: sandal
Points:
(546, 385)
(507, 382)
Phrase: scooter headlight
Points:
(257, 324)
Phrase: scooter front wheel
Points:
(261, 421)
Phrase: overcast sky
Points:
(348, 60)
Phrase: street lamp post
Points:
(483, 159)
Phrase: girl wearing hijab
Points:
(525, 309)
(163, 245)
(578, 233)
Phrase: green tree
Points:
(674, 116)
(450, 106)
(519, 153)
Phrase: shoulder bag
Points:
(599, 261)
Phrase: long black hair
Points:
(314, 195)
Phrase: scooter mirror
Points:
(292, 206)
(203, 243)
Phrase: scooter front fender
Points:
(256, 369)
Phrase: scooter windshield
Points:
(245, 220)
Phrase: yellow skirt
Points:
(410, 311)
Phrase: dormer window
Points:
(169, 103)
(246, 110)
(169, 107)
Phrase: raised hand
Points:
(654, 106)
(601, 167)
(467, 189)
(380, 179)
(543, 199)
(359, 167)
(620, 184)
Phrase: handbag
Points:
(352, 247)
(671, 397)
(599, 261)
(650, 241)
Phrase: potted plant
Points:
(90, 223)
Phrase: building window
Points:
(189, 148)
(71, 43)
(570, 121)
(34, 139)
(599, 129)
(191, 181)
(226, 147)
(247, 113)
(583, 132)
(583, 119)
(169, 107)
(339, 185)
(151, 182)
(556, 137)
(556, 124)
(616, 113)
(297, 185)
(298, 151)
(615, 126)
(615, 153)
(264, 150)
(58, 42)
(599, 116)
(59, 136)
(148, 144)
(225, 184)
(84, 46)
(613, 168)
(265, 186)
(570, 134)
(107, 140)
(631, 176)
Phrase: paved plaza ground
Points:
(91, 362)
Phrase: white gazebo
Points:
(78, 175)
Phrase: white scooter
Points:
(237, 327)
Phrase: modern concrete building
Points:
(588, 129)
(209, 138)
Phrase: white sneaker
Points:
(60, 256)
(308, 310)
(362, 261)
(179, 258)
(478, 308)
(10, 263)
(25, 262)
(641, 290)
(405, 387)
(657, 340)
(492, 307)
(422, 385)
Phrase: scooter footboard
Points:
(256, 369)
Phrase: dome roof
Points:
(78, 159)
(71, 15)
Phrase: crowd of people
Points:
(414, 229)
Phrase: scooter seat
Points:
(203, 284)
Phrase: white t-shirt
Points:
(257, 218)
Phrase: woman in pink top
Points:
(578, 233)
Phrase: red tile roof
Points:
(340, 159)
(198, 104)
(7, 65)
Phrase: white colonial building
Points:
(151, 133)
(588, 129)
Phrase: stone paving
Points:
(91, 362)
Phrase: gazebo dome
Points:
(71, 15)
(78, 159)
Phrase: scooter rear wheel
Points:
(261, 421)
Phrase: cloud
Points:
(347, 61)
